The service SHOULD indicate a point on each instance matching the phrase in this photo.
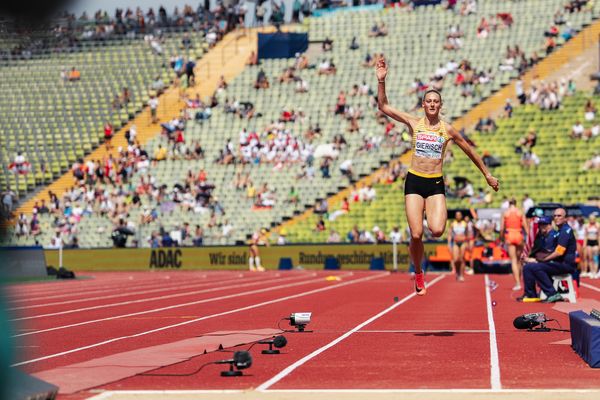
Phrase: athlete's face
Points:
(458, 216)
(432, 103)
(592, 219)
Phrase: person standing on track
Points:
(458, 242)
(424, 189)
(513, 226)
(590, 248)
(471, 234)
(258, 239)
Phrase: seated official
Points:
(555, 255)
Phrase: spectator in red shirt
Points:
(202, 176)
(340, 106)
(108, 135)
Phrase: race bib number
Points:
(429, 146)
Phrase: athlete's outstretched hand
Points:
(493, 182)
(381, 69)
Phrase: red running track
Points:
(438, 341)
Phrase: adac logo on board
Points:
(166, 258)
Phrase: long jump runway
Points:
(371, 337)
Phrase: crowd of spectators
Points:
(486, 125)
(105, 188)
(275, 145)
(109, 181)
(69, 30)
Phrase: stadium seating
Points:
(558, 178)
(319, 102)
(54, 122)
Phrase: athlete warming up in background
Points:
(258, 239)
(424, 186)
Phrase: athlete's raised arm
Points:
(462, 143)
(382, 101)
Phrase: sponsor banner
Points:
(229, 257)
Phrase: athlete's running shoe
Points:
(420, 284)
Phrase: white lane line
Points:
(82, 291)
(169, 307)
(250, 307)
(453, 390)
(494, 360)
(426, 331)
(266, 385)
(109, 394)
(165, 297)
(174, 393)
(112, 296)
(109, 283)
(91, 283)
(587, 285)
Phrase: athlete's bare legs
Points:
(435, 209)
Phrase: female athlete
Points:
(512, 226)
(458, 242)
(258, 239)
(471, 234)
(590, 248)
(424, 186)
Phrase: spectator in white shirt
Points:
(226, 229)
(364, 89)
(334, 237)
(529, 159)
(143, 165)
(19, 160)
(55, 242)
(301, 85)
(366, 237)
(451, 66)
(346, 168)
(396, 235)
(527, 203)
(440, 72)
(176, 236)
(132, 133)
(153, 103)
(370, 194)
(577, 131)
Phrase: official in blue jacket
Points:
(559, 261)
